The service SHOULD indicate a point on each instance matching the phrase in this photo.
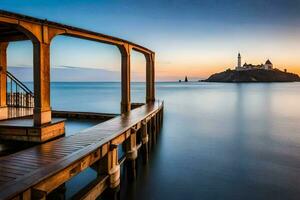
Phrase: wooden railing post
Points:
(3, 87)
(125, 78)
(41, 68)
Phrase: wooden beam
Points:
(121, 138)
(63, 176)
(12, 38)
(10, 32)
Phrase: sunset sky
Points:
(193, 38)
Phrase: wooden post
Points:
(150, 135)
(154, 129)
(125, 78)
(157, 123)
(150, 77)
(26, 195)
(3, 87)
(41, 68)
(114, 172)
(145, 139)
(162, 115)
(101, 166)
(160, 118)
(131, 155)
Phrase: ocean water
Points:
(218, 141)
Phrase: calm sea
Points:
(219, 141)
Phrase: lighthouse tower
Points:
(239, 64)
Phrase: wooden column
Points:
(41, 68)
(131, 155)
(150, 77)
(157, 123)
(125, 78)
(160, 118)
(145, 139)
(3, 68)
(154, 129)
(150, 135)
(114, 172)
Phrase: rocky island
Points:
(253, 73)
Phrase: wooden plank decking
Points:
(24, 170)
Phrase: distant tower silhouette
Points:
(186, 79)
(239, 65)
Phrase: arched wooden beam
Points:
(41, 32)
(46, 30)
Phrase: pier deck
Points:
(24, 122)
(23, 129)
(37, 171)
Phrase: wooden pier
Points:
(36, 172)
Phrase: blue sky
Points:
(194, 38)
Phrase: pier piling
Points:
(145, 140)
(131, 154)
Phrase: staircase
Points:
(18, 94)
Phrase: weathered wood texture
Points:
(42, 168)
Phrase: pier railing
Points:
(18, 94)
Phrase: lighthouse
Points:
(239, 64)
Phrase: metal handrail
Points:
(20, 84)
(18, 94)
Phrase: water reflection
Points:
(219, 141)
(225, 141)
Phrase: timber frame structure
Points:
(36, 172)
(16, 27)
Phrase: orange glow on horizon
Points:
(201, 70)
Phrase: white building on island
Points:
(267, 66)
